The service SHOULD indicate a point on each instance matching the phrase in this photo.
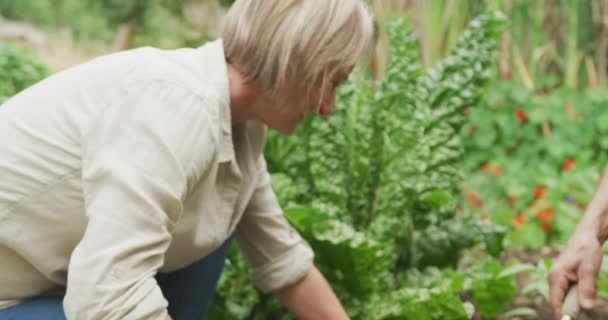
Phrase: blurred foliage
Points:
(163, 23)
(534, 159)
(84, 19)
(549, 42)
(19, 68)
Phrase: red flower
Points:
(546, 227)
(519, 220)
(484, 166)
(485, 218)
(580, 205)
(513, 200)
(539, 192)
(521, 115)
(495, 170)
(474, 200)
(568, 164)
(473, 131)
(545, 214)
(373, 65)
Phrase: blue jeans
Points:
(188, 291)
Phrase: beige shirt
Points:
(126, 166)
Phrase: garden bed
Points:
(539, 304)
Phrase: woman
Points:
(125, 179)
(581, 258)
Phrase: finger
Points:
(587, 273)
(558, 285)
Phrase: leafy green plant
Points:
(126, 23)
(492, 288)
(84, 19)
(19, 68)
(377, 180)
(534, 160)
(482, 290)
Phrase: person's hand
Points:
(579, 262)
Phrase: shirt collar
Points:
(217, 71)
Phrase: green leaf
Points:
(346, 257)
(19, 69)
(516, 269)
(530, 236)
(521, 312)
(493, 294)
(435, 199)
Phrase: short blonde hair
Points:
(291, 47)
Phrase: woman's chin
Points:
(285, 129)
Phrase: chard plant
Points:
(385, 163)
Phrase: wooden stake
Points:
(592, 79)
(546, 130)
(523, 72)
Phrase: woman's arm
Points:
(312, 298)
(595, 219)
(581, 258)
(282, 262)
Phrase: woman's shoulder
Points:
(200, 71)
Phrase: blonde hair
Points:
(293, 47)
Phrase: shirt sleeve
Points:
(139, 159)
(276, 252)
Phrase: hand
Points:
(579, 262)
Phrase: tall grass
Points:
(549, 42)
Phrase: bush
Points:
(19, 68)
(534, 159)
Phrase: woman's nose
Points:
(327, 107)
